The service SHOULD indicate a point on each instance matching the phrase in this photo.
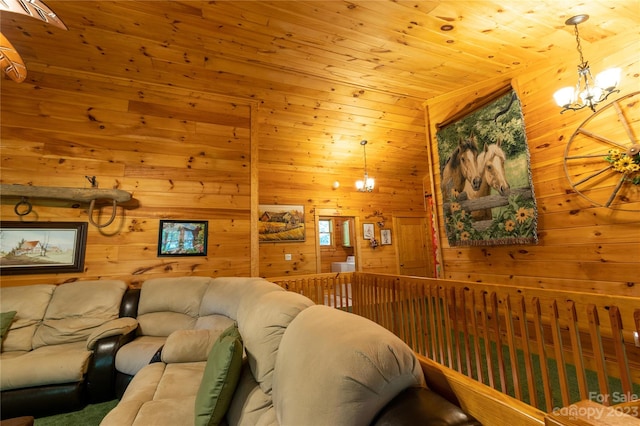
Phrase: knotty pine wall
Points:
(182, 154)
(581, 247)
(198, 139)
(211, 138)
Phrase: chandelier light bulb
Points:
(608, 79)
(565, 97)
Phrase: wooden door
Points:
(414, 247)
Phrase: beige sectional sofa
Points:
(301, 364)
(59, 351)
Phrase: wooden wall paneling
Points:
(182, 154)
(277, 89)
(579, 245)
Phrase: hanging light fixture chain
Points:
(364, 148)
(579, 46)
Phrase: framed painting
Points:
(368, 231)
(281, 223)
(485, 176)
(385, 237)
(42, 247)
(183, 238)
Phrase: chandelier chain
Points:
(579, 46)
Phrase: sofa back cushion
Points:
(30, 303)
(338, 368)
(76, 309)
(262, 322)
(224, 294)
(170, 304)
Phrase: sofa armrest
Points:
(119, 326)
(101, 373)
(129, 304)
(189, 345)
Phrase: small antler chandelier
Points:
(589, 91)
(366, 184)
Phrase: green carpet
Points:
(91, 415)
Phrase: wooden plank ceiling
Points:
(399, 47)
(405, 51)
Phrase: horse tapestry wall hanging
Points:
(486, 188)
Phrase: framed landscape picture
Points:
(42, 247)
(281, 223)
(183, 238)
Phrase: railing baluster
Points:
(476, 336)
(496, 330)
(542, 353)
(511, 342)
(465, 331)
(526, 351)
(559, 352)
(448, 335)
(621, 354)
(598, 352)
(487, 340)
(576, 345)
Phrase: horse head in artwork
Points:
(491, 163)
(461, 167)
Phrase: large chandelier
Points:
(587, 92)
(366, 184)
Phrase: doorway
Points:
(337, 243)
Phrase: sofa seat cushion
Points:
(168, 412)
(357, 368)
(160, 394)
(48, 365)
(136, 354)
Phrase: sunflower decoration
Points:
(627, 163)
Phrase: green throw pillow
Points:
(220, 378)
(5, 322)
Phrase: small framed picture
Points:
(385, 237)
(183, 238)
(368, 231)
(42, 247)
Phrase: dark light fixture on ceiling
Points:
(588, 92)
(366, 184)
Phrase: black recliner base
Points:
(41, 401)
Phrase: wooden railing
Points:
(546, 348)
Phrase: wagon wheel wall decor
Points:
(602, 158)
